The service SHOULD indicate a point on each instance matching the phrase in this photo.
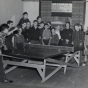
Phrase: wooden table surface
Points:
(40, 51)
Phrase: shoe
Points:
(84, 64)
(7, 81)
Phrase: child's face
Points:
(28, 24)
(6, 31)
(10, 25)
(53, 31)
(25, 16)
(39, 20)
(35, 23)
(24, 25)
(20, 30)
(77, 28)
(42, 25)
(80, 27)
(46, 26)
(67, 25)
(58, 28)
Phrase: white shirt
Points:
(58, 33)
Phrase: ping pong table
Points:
(43, 54)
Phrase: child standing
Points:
(41, 27)
(34, 35)
(78, 37)
(18, 41)
(4, 29)
(24, 18)
(78, 40)
(8, 40)
(49, 24)
(66, 35)
(54, 37)
(46, 36)
(86, 46)
(24, 33)
(39, 19)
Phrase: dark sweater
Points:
(25, 33)
(41, 32)
(55, 40)
(34, 34)
(66, 34)
(78, 39)
(22, 20)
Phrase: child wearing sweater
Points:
(54, 37)
(18, 41)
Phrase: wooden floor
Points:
(74, 78)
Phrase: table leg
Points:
(42, 70)
(76, 56)
(52, 73)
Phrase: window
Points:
(61, 9)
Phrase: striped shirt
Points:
(2, 39)
(46, 34)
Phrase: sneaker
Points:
(84, 64)
(7, 81)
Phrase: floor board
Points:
(74, 78)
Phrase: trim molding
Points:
(61, 14)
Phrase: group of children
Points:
(39, 33)
(43, 33)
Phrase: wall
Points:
(77, 12)
(32, 7)
(86, 17)
(46, 10)
(10, 9)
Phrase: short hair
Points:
(49, 22)
(19, 26)
(23, 22)
(53, 28)
(28, 21)
(3, 27)
(42, 22)
(35, 21)
(77, 24)
(25, 13)
(39, 17)
(45, 24)
(9, 22)
(67, 22)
